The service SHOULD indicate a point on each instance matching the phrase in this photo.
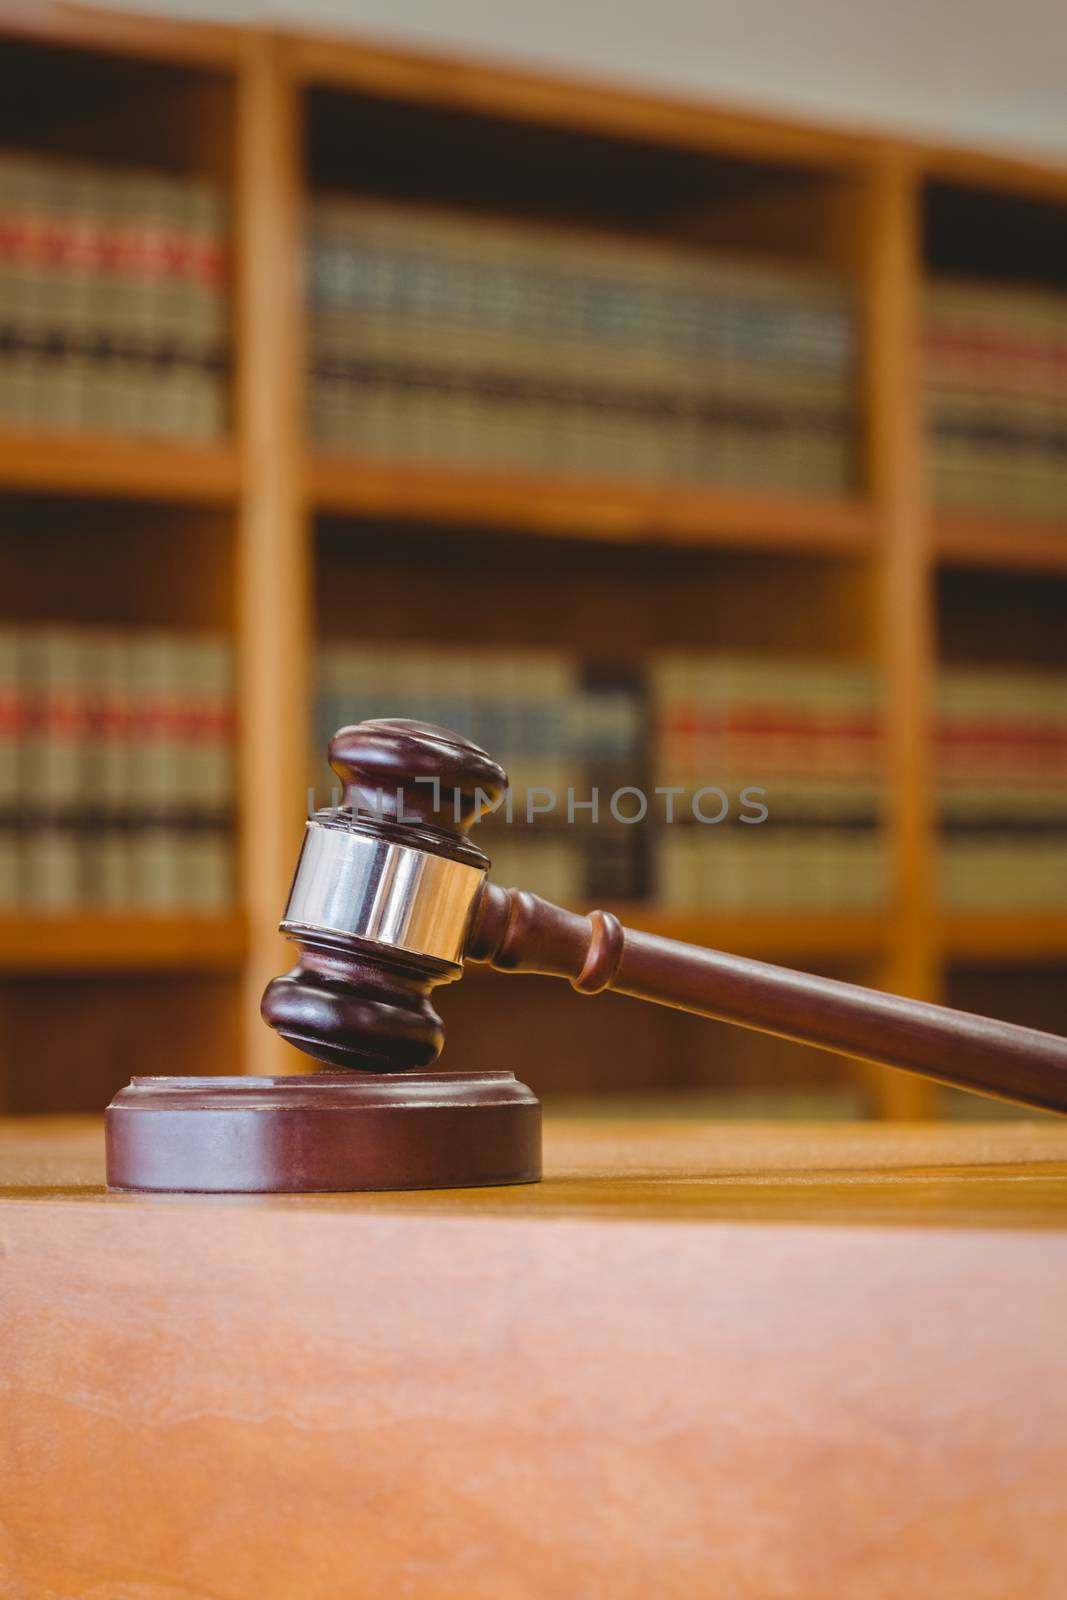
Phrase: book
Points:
(10, 763)
(54, 739)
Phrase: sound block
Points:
(324, 1133)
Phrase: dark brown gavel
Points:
(391, 897)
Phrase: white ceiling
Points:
(968, 71)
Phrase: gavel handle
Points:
(518, 932)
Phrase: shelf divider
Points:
(275, 635)
(906, 625)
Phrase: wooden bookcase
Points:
(282, 545)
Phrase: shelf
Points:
(587, 509)
(1042, 179)
(481, 88)
(770, 936)
(1023, 544)
(34, 942)
(98, 29)
(993, 937)
(46, 462)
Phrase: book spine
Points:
(51, 768)
(11, 734)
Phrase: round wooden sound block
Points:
(326, 1132)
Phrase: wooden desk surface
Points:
(761, 1362)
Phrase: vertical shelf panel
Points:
(906, 631)
(274, 632)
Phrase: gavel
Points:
(391, 897)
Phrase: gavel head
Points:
(383, 897)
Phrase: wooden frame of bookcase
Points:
(275, 485)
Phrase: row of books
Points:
(116, 772)
(693, 747)
(802, 734)
(735, 733)
(809, 733)
(777, 869)
(113, 302)
(809, 727)
(996, 379)
(560, 728)
(547, 718)
(116, 769)
(1002, 771)
(443, 336)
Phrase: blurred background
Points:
(664, 402)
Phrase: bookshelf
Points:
(112, 531)
(281, 543)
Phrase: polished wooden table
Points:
(738, 1361)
